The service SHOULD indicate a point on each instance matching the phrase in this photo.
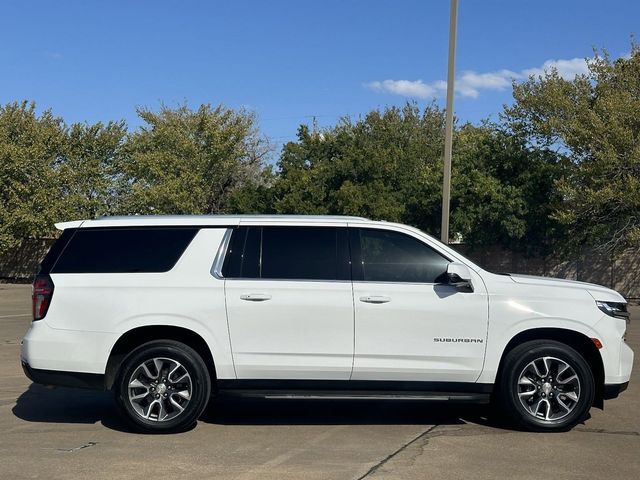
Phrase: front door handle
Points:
(375, 299)
(255, 297)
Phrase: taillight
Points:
(41, 293)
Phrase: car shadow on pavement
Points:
(244, 411)
(69, 405)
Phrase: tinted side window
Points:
(251, 254)
(56, 249)
(306, 253)
(233, 257)
(120, 250)
(389, 256)
(243, 255)
(313, 253)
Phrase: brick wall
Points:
(22, 263)
(621, 274)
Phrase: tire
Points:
(539, 400)
(163, 386)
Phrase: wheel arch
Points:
(131, 339)
(576, 340)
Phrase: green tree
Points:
(385, 165)
(593, 121)
(503, 190)
(388, 166)
(186, 161)
(30, 144)
(255, 196)
(51, 172)
(90, 183)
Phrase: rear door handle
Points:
(375, 299)
(255, 297)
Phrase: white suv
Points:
(166, 311)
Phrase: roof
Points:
(204, 220)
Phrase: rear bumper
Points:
(613, 390)
(93, 381)
(47, 348)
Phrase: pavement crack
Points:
(381, 463)
(608, 432)
(75, 449)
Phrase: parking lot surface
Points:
(67, 433)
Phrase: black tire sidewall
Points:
(516, 361)
(201, 385)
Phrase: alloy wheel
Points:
(160, 389)
(548, 388)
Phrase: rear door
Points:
(289, 302)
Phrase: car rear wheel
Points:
(163, 386)
(545, 386)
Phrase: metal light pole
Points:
(448, 129)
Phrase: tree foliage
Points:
(181, 161)
(388, 166)
(184, 161)
(91, 183)
(503, 191)
(51, 172)
(593, 122)
(383, 166)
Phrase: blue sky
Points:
(291, 60)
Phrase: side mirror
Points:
(459, 276)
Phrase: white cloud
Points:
(567, 69)
(408, 88)
(470, 83)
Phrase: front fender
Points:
(498, 339)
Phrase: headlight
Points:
(614, 309)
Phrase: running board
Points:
(359, 395)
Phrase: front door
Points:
(410, 325)
(289, 302)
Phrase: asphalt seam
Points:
(377, 466)
(608, 432)
(75, 449)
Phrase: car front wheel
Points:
(545, 386)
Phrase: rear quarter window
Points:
(123, 250)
